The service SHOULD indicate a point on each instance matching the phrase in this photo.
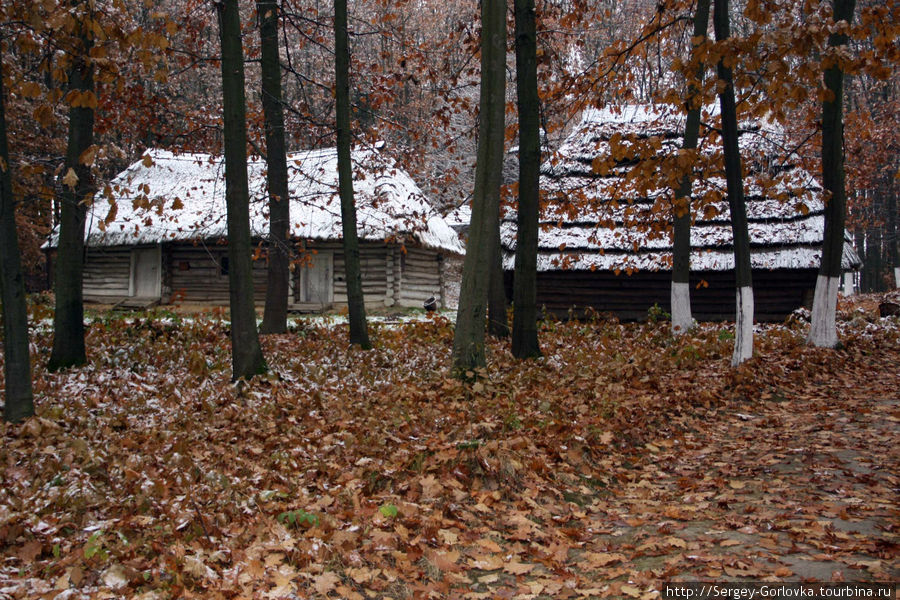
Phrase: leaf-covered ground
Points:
(622, 459)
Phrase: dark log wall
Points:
(194, 274)
(776, 293)
(107, 272)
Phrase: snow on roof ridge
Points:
(181, 196)
(569, 173)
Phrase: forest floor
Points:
(622, 459)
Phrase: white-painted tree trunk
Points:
(743, 327)
(847, 284)
(897, 277)
(681, 308)
(822, 330)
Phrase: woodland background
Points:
(415, 77)
(622, 458)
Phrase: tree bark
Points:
(468, 338)
(873, 266)
(498, 324)
(18, 400)
(246, 355)
(525, 342)
(823, 329)
(743, 336)
(356, 306)
(68, 319)
(277, 282)
(682, 320)
(859, 240)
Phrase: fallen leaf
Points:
(489, 545)
(349, 593)
(487, 563)
(116, 576)
(601, 559)
(517, 568)
(326, 582)
(29, 551)
(362, 574)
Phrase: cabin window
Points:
(223, 266)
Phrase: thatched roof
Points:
(603, 208)
(167, 197)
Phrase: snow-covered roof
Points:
(167, 197)
(607, 198)
(460, 217)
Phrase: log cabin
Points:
(158, 234)
(605, 240)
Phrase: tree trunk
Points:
(75, 196)
(246, 355)
(873, 265)
(17, 361)
(498, 324)
(524, 333)
(682, 320)
(277, 282)
(468, 338)
(891, 239)
(823, 329)
(356, 306)
(743, 334)
(859, 240)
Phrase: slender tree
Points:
(246, 355)
(823, 329)
(77, 191)
(524, 333)
(743, 338)
(498, 323)
(17, 361)
(359, 333)
(468, 339)
(681, 231)
(275, 314)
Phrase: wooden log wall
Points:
(777, 293)
(373, 262)
(421, 277)
(451, 280)
(107, 271)
(193, 274)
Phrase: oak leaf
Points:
(517, 568)
(326, 582)
(486, 563)
(70, 179)
(601, 559)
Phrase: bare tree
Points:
(17, 361)
(275, 314)
(524, 334)
(77, 191)
(468, 339)
(246, 355)
(743, 335)
(823, 330)
(681, 231)
(359, 333)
